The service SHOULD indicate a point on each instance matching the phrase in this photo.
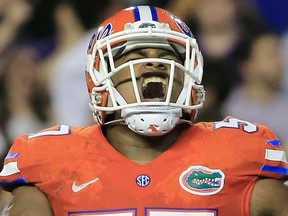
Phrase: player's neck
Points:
(138, 148)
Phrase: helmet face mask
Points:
(152, 76)
(149, 91)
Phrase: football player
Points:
(145, 156)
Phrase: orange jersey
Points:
(210, 171)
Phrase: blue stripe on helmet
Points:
(154, 13)
(136, 14)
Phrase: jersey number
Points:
(237, 124)
(63, 130)
(152, 212)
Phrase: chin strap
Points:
(152, 120)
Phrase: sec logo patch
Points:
(143, 180)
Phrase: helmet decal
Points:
(104, 32)
(100, 34)
(183, 26)
(91, 42)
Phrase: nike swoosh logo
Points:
(77, 188)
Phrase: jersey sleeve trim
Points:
(275, 143)
(11, 155)
(275, 159)
(19, 181)
(10, 169)
(275, 169)
(275, 155)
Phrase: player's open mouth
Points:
(153, 86)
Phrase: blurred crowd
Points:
(42, 54)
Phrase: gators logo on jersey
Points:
(201, 180)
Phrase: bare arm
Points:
(269, 198)
(5, 197)
(28, 201)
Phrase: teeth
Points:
(153, 88)
(153, 79)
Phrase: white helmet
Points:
(136, 28)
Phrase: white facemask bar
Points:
(118, 102)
